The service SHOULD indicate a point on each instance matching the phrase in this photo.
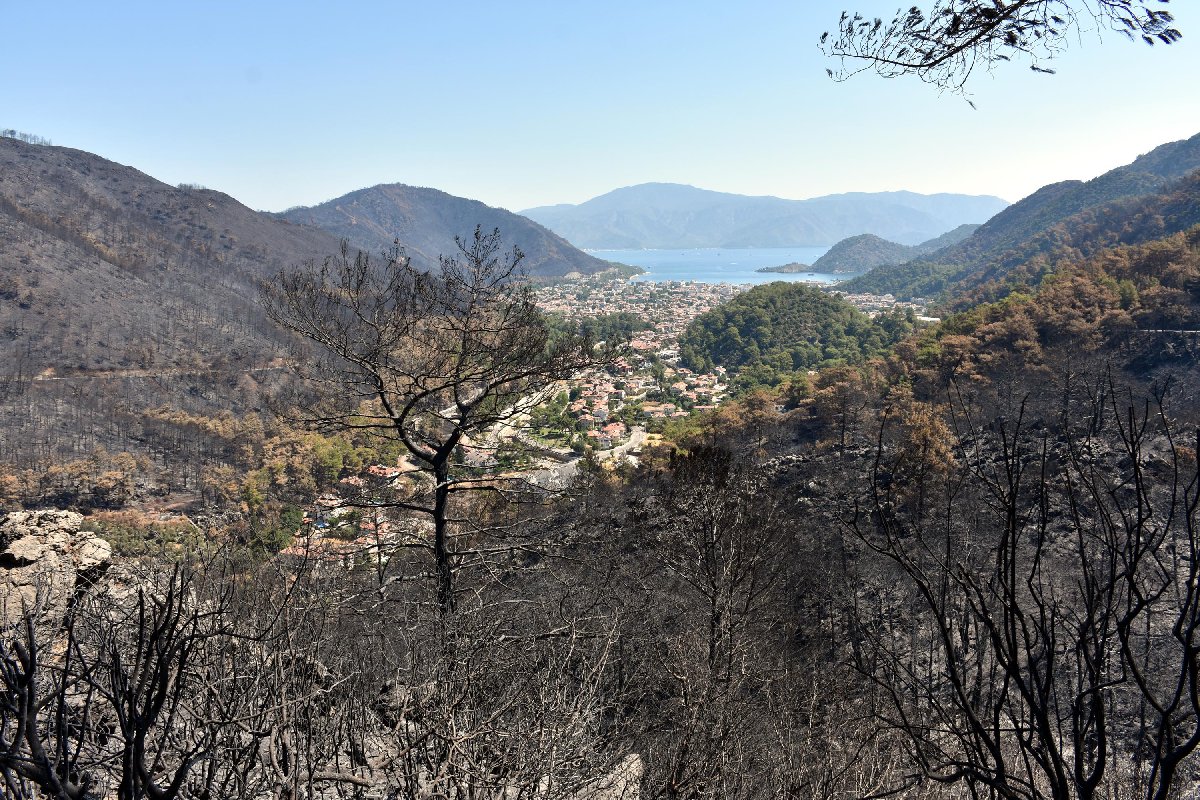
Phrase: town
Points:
(608, 414)
(649, 385)
(601, 408)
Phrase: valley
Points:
(449, 518)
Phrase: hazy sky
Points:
(530, 103)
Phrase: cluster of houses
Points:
(873, 304)
(670, 305)
(644, 389)
(650, 385)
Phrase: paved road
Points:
(1164, 330)
(125, 374)
(559, 477)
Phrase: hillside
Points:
(862, 252)
(425, 221)
(665, 215)
(104, 267)
(122, 296)
(129, 316)
(774, 330)
(867, 251)
(946, 239)
(1085, 212)
(1134, 307)
(820, 523)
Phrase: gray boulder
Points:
(46, 561)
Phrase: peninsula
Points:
(787, 269)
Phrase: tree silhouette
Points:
(944, 44)
(426, 360)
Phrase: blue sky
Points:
(531, 103)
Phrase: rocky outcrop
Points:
(46, 561)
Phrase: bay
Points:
(722, 265)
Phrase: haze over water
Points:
(722, 265)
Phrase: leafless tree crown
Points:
(426, 360)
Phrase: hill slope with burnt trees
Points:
(104, 267)
(129, 313)
(962, 565)
(799, 584)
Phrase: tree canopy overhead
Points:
(944, 43)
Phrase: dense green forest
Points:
(778, 329)
(616, 327)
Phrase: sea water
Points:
(722, 265)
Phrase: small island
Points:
(788, 269)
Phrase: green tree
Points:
(771, 331)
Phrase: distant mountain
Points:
(1078, 216)
(425, 222)
(668, 215)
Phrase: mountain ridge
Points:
(669, 215)
(97, 252)
(1053, 218)
(121, 295)
(425, 221)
